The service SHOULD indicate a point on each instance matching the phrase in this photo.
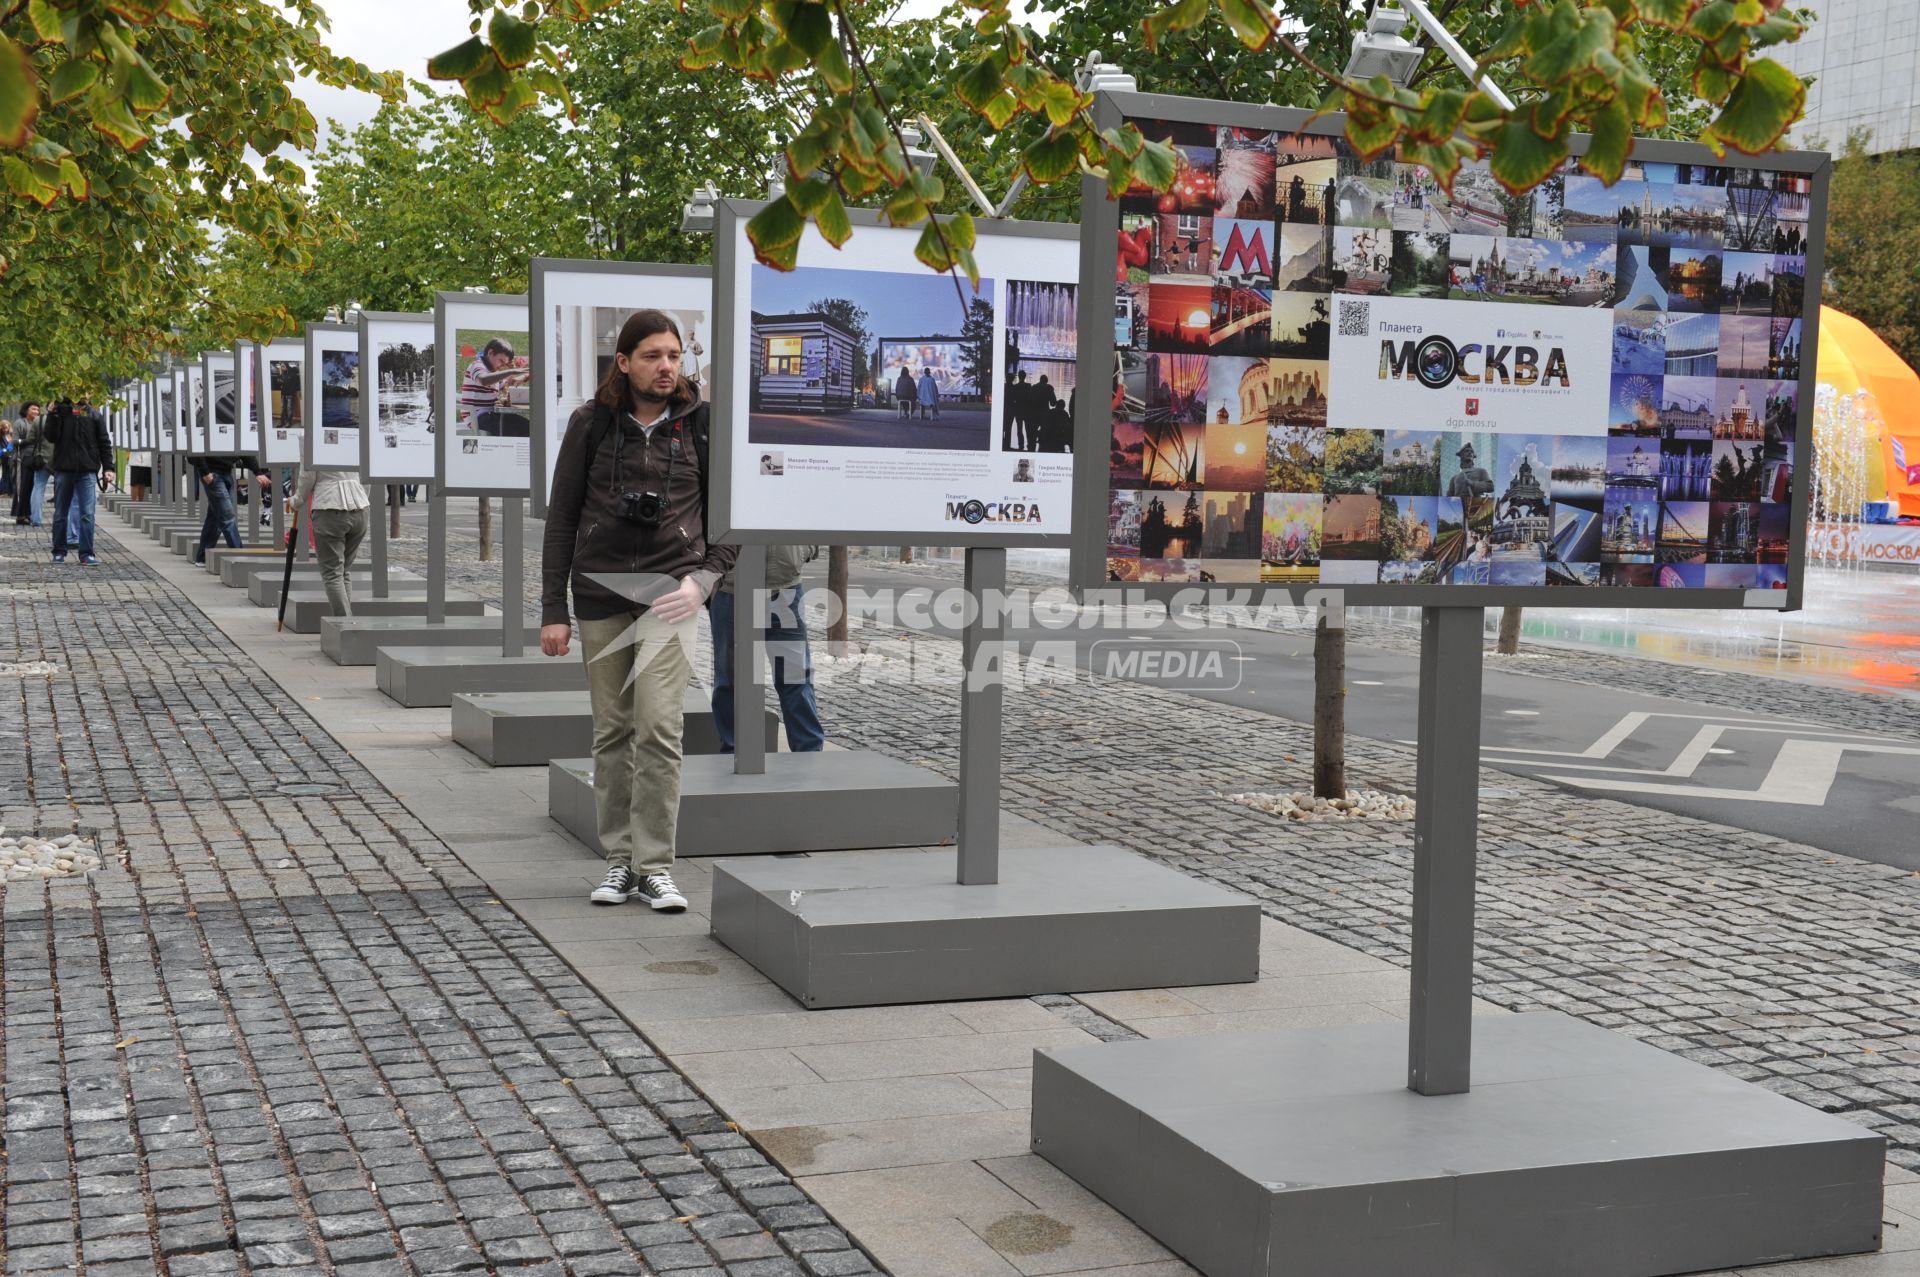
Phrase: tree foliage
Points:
(1873, 222)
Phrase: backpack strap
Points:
(597, 432)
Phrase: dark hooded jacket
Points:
(80, 442)
(587, 533)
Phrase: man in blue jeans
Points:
(82, 452)
(223, 518)
(786, 642)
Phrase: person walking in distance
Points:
(786, 648)
(339, 522)
(223, 520)
(81, 453)
(626, 534)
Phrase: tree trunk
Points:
(1509, 643)
(1329, 711)
(837, 570)
(486, 529)
(393, 510)
(906, 554)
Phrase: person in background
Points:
(34, 462)
(216, 479)
(339, 521)
(484, 392)
(904, 394)
(786, 645)
(82, 453)
(6, 458)
(626, 535)
(929, 395)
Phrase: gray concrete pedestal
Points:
(307, 606)
(219, 555)
(817, 801)
(529, 729)
(262, 581)
(877, 928)
(1579, 1153)
(424, 677)
(357, 640)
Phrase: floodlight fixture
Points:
(697, 218)
(1382, 50)
(918, 156)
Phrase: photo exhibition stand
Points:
(978, 921)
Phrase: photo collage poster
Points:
(280, 374)
(246, 409)
(398, 397)
(486, 376)
(333, 398)
(575, 332)
(223, 425)
(869, 394)
(1334, 371)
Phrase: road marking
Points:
(1802, 775)
(1523, 713)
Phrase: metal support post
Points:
(982, 692)
(513, 577)
(1445, 837)
(437, 556)
(378, 517)
(749, 705)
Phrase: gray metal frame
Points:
(199, 431)
(726, 330)
(369, 408)
(1100, 221)
(313, 404)
(447, 378)
(206, 374)
(247, 366)
(263, 376)
(541, 318)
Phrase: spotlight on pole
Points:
(697, 217)
(1381, 49)
(919, 156)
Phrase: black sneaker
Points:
(616, 888)
(658, 890)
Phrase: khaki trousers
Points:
(336, 540)
(637, 674)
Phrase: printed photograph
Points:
(1130, 384)
(1179, 318)
(1304, 261)
(585, 337)
(1176, 388)
(1124, 512)
(1420, 203)
(1634, 408)
(1350, 528)
(1419, 266)
(1238, 392)
(1154, 571)
(1243, 254)
(1688, 407)
(1297, 392)
(1745, 342)
(1248, 161)
(1169, 526)
(1242, 321)
(1733, 532)
(1408, 528)
(1780, 417)
(1576, 539)
(1732, 576)
(1530, 271)
(406, 389)
(1236, 456)
(1290, 537)
(1630, 525)
(1138, 241)
(1182, 248)
(1789, 286)
(1466, 460)
(1130, 315)
(1684, 530)
(1686, 469)
(1481, 206)
(1591, 212)
(1353, 462)
(1522, 512)
(1579, 468)
(1302, 327)
(1690, 575)
(1692, 279)
(494, 383)
(287, 391)
(1736, 470)
(1693, 346)
(1746, 284)
(1665, 215)
(1361, 259)
(1364, 192)
(1635, 575)
(1296, 459)
(1632, 462)
(1175, 455)
(1773, 539)
(1306, 173)
(1410, 463)
(330, 438)
(1739, 407)
(1639, 342)
(339, 391)
(224, 404)
(1129, 452)
(1783, 349)
(869, 359)
(1230, 527)
(1641, 278)
(1041, 361)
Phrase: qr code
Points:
(1356, 317)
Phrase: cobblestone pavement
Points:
(284, 1030)
(1775, 962)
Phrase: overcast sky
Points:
(400, 35)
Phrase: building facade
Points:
(1862, 54)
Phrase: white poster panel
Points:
(278, 373)
(1411, 363)
(223, 421)
(333, 397)
(485, 378)
(578, 309)
(245, 409)
(173, 391)
(195, 410)
(397, 397)
(869, 395)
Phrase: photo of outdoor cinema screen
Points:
(863, 393)
(1334, 372)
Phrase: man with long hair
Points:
(627, 533)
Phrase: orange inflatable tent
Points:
(1852, 357)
